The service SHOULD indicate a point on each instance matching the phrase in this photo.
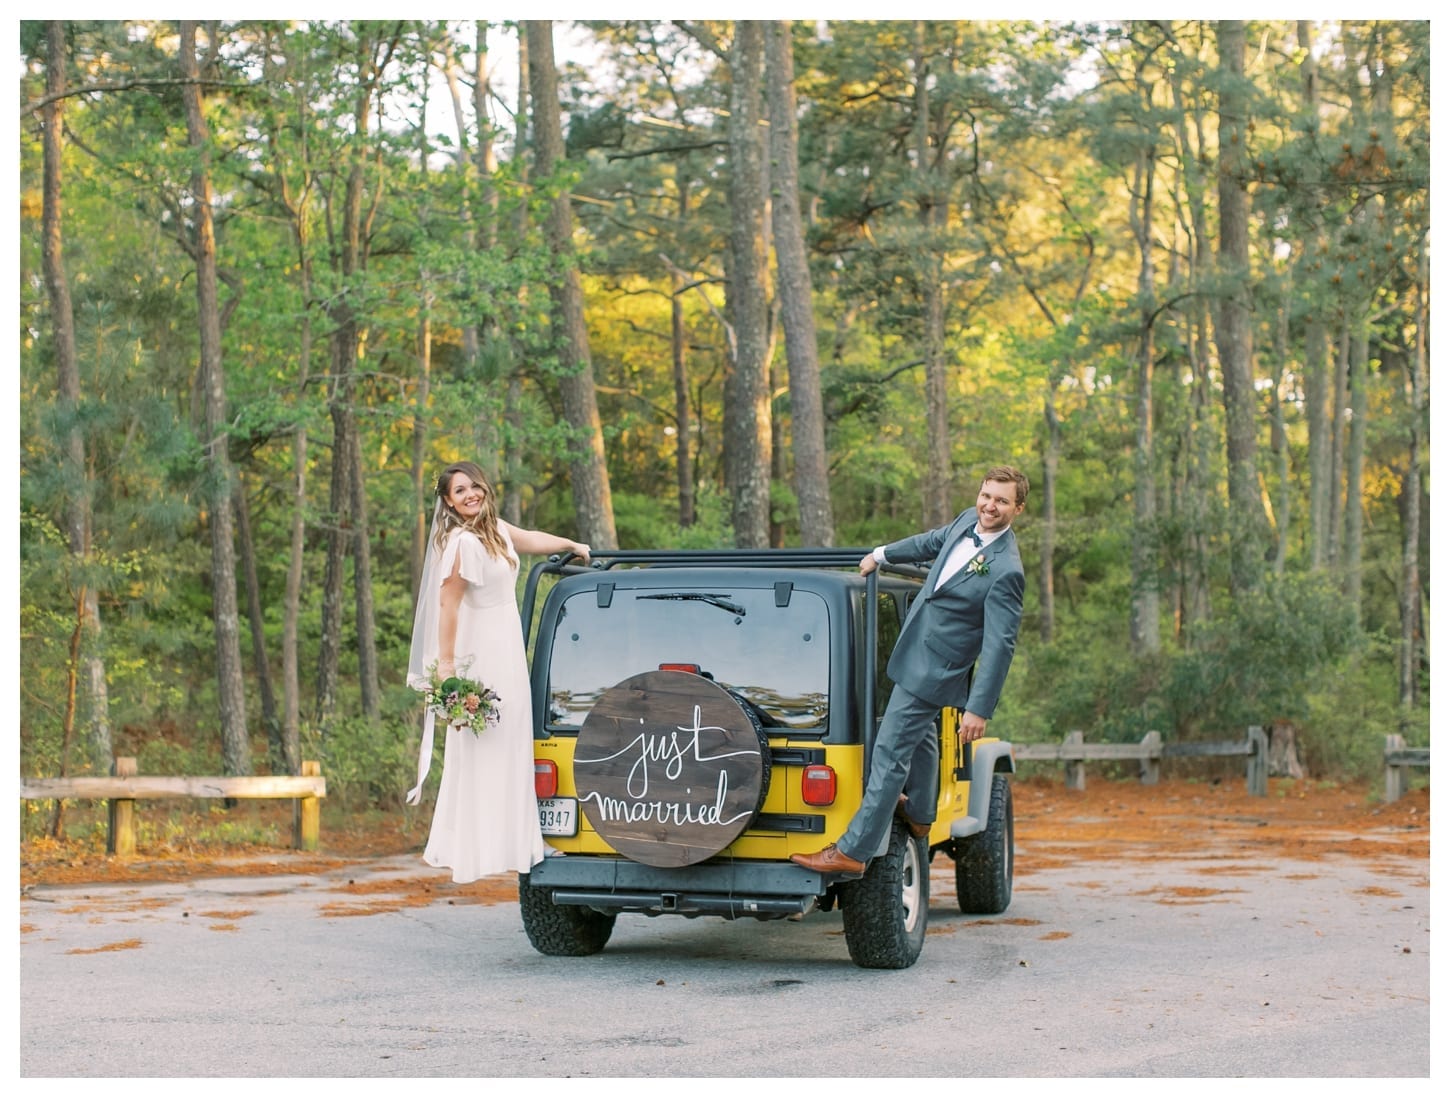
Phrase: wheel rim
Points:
(913, 900)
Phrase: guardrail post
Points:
(307, 812)
(1074, 770)
(1258, 770)
(1153, 751)
(122, 811)
(1395, 776)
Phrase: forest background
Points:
(719, 284)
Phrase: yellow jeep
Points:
(702, 715)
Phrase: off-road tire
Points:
(884, 913)
(560, 930)
(984, 860)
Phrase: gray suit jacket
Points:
(957, 642)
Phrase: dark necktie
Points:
(972, 533)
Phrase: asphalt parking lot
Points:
(1267, 967)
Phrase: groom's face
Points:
(997, 505)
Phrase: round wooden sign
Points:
(670, 768)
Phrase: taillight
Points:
(546, 779)
(689, 668)
(818, 785)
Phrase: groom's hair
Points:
(1013, 475)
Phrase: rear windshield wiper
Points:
(700, 596)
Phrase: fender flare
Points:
(988, 758)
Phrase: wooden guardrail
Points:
(125, 787)
(1398, 760)
(1073, 753)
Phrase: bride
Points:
(467, 623)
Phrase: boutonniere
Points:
(977, 566)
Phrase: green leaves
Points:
(1019, 182)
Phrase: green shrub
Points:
(1348, 717)
(647, 522)
(370, 762)
(1292, 652)
(161, 756)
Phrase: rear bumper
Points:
(731, 889)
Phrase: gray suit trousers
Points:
(904, 758)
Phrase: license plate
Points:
(559, 816)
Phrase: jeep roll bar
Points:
(560, 564)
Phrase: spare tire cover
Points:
(670, 768)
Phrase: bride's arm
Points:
(542, 544)
(451, 597)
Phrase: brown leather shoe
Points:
(829, 860)
(919, 830)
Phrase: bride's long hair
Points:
(484, 524)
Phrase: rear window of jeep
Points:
(776, 657)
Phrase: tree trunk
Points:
(589, 477)
(937, 503)
(299, 223)
(347, 449)
(1284, 751)
(1410, 635)
(1232, 331)
(329, 643)
(487, 454)
(1281, 451)
(295, 206)
(1279, 436)
(1338, 404)
(513, 414)
(423, 352)
(77, 478)
(684, 472)
(746, 416)
(1353, 561)
(1316, 384)
(347, 443)
(417, 466)
(292, 592)
(1051, 452)
(490, 431)
(793, 280)
(349, 526)
(271, 719)
(1375, 113)
(485, 157)
(1316, 395)
(236, 752)
(1143, 615)
(779, 471)
(68, 715)
(1198, 479)
(367, 649)
(348, 496)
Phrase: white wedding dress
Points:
(486, 819)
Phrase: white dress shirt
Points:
(959, 554)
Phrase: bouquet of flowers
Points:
(462, 702)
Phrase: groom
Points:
(954, 650)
